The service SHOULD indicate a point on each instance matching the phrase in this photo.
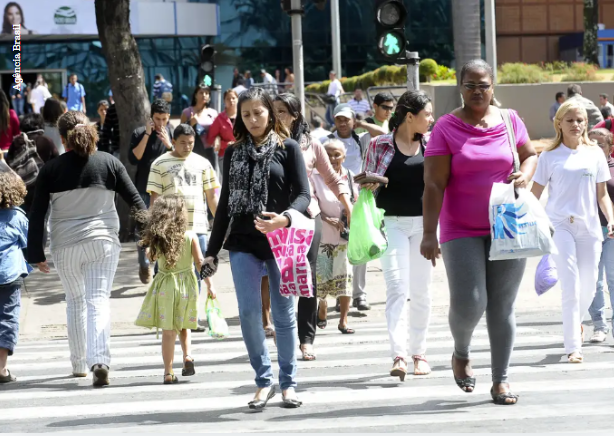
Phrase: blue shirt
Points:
(162, 86)
(75, 94)
(13, 238)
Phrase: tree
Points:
(466, 26)
(127, 81)
(591, 21)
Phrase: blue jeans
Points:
(247, 272)
(143, 260)
(18, 104)
(10, 305)
(606, 268)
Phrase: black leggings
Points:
(308, 307)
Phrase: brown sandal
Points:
(417, 363)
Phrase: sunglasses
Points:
(482, 86)
(387, 108)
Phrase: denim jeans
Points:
(18, 105)
(143, 260)
(247, 272)
(10, 306)
(606, 271)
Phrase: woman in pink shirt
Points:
(222, 127)
(288, 109)
(9, 123)
(468, 151)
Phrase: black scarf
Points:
(249, 193)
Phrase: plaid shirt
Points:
(380, 154)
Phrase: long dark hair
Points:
(240, 129)
(299, 126)
(410, 102)
(198, 88)
(8, 27)
(53, 110)
(4, 112)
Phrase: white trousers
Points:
(408, 275)
(577, 265)
(87, 271)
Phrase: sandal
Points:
(7, 378)
(399, 368)
(346, 330)
(421, 366)
(307, 355)
(291, 403)
(322, 323)
(173, 379)
(466, 384)
(261, 404)
(188, 367)
(575, 357)
(502, 398)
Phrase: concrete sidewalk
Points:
(43, 313)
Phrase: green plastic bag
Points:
(368, 239)
(218, 328)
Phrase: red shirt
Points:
(222, 127)
(6, 138)
(602, 124)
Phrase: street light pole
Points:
(413, 71)
(336, 35)
(491, 35)
(297, 51)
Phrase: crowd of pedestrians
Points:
(257, 166)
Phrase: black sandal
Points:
(172, 381)
(501, 398)
(261, 404)
(188, 367)
(8, 378)
(465, 383)
(346, 330)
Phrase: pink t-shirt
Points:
(480, 157)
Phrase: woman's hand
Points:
(370, 186)
(43, 267)
(336, 223)
(520, 179)
(430, 247)
(274, 222)
(611, 230)
(193, 121)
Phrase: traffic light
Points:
(390, 17)
(206, 74)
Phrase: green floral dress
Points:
(172, 300)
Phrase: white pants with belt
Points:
(87, 271)
(577, 265)
(407, 274)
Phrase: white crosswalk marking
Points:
(347, 387)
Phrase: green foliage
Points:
(428, 67)
(522, 73)
(444, 73)
(581, 72)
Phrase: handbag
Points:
(369, 177)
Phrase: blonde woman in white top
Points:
(576, 171)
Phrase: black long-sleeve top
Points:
(153, 150)
(288, 189)
(82, 195)
(109, 132)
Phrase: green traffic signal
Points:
(207, 80)
(392, 45)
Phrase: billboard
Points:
(39, 18)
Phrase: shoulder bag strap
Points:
(511, 137)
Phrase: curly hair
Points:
(12, 190)
(79, 135)
(164, 227)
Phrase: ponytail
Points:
(80, 137)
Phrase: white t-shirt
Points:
(335, 88)
(572, 176)
(608, 104)
(353, 157)
(38, 97)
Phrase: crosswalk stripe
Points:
(349, 396)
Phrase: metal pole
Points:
(336, 35)
(297, 51)
(413, 71)
(491, 35)
(216, 97)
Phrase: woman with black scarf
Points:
(288, 109)
(264, 177)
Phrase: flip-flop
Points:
(346, 330)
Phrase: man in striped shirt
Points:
(161, 87)
(358, 104)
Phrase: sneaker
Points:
(145, 274)
(361, 304)
(599, 336)
(101, 375)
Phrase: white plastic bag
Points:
(519, 227)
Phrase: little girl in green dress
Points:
(171, 302)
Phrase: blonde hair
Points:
(558, 119)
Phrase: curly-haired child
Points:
(171, 302)
(13, 266)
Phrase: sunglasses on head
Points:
(482, 86)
